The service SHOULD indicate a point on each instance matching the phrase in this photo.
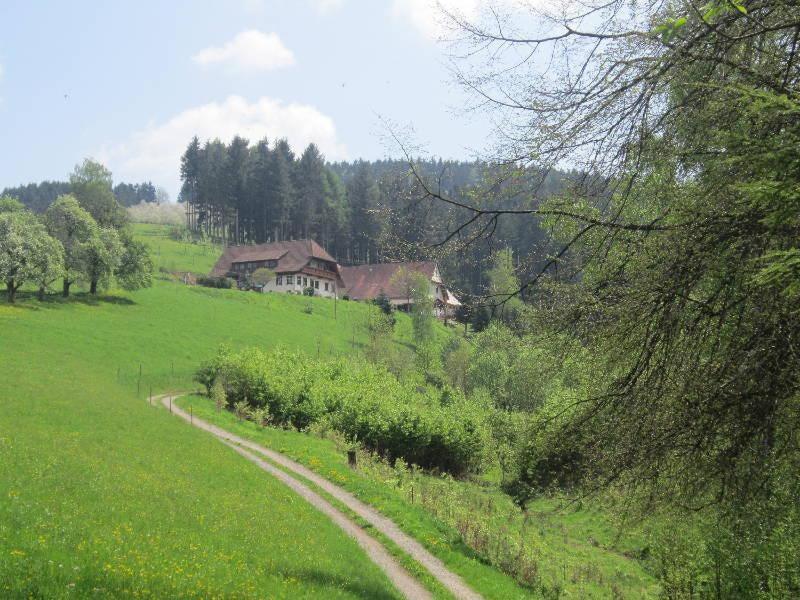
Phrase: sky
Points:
(130, 82)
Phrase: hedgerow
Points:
(431, 428)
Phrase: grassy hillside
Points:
(103, 495)
(100, 494)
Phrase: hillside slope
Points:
(103, 495)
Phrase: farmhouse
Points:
(366, 282)
(297, 265)
(301, 264)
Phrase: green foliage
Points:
(90, 183)
(362, 401)
(219, 282)
(102, 257)
(135, 268)
(9, 204)
(218, 395)
(262, 276)
(479, 318)
(74, 227)
(27, 252)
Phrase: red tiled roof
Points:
(367, 281)
(291, 255)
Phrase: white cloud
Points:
(327, 6)
(426, 15)
(250, 50)
(154, 153)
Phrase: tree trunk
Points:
(12, 290)
(65, 291)
(93, 287)
(41, 293)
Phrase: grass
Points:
(578, 554)
(101, 495)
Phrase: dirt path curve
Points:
(409, 586)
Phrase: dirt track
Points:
(409, 586)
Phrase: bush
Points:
(225, 283)
(309, 291)
(364, 402)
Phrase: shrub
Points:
(216, 282)
(309, 291)
(364, 402)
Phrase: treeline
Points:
(80, 237)
(38, 196)
(361, 212)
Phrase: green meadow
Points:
(103, 495)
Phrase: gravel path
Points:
(405, 583)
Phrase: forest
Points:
(362, 211)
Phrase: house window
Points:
(305, 281)
(316, 284)
(326, 286)
(279, 280)
(289, 280)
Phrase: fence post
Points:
(170, 404)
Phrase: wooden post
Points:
(412, 494)
(170, 404)
(351, 458)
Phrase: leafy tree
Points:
(91, 184)
(74, 227)
(218, 394)
(102, 256)
(25, 247)
(382, 301)
(503, 285)
(480, 318)
(135, 268)
(463, 312)
(262, 276)
(9, 204)
(49, 265)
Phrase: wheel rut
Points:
(404, 581)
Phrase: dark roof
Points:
(368, 281)
(291, 255)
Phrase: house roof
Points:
(367, 281)
(291, 255)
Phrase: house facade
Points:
(367, 282)
(297, 265)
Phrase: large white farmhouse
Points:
(302, 264)
(297, 265)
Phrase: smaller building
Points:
(297, 265)
(367, 282)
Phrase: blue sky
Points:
(129, 82)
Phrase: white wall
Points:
(298, 288)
